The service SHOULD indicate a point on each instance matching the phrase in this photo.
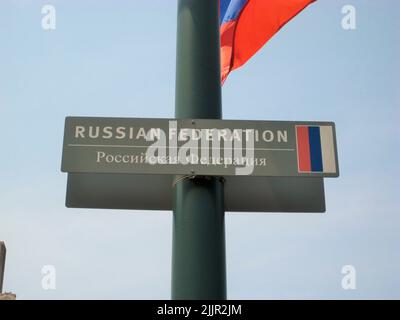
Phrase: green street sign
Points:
(200, 147)
(155, 192)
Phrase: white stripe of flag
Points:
(327, 148)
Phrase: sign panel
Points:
(200, 147)
(155, 192)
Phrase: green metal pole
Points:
(198, 254)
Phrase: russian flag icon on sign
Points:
(316, 149)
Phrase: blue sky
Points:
(114, 58)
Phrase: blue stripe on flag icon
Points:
(315, 149)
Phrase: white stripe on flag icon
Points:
(328, 152)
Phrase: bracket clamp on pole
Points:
(183, 178)
(193, 177)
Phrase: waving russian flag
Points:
(246, 25)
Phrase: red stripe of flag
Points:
(303, 149)
(227, 39)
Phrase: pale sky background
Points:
(117, 58)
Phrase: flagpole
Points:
(198, 253)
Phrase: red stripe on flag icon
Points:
(303, 149)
